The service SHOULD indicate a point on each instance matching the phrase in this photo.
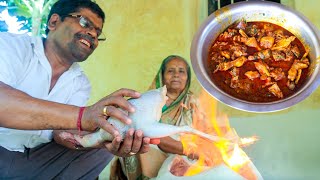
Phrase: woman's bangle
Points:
(81, 110)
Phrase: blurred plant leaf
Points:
(2, 8)
(26, 10)
(3, 26)
(17, 8)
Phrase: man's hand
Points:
(95, 116)
(133, 143)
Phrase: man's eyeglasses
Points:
(85, 23)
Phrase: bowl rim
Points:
(209, 86)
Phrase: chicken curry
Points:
(258, 62)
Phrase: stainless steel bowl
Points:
(265, 11)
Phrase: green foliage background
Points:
(33, 12)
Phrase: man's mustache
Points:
(87, 38)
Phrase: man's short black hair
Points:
(65, 7)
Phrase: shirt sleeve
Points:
(14, 54)
(82, 91)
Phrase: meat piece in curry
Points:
(258, 61)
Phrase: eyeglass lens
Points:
(87, 24)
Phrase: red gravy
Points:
(276, 59)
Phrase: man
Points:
(42, 87)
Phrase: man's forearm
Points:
(18, 110)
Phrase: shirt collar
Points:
(38, 49)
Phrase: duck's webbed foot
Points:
(69, 137)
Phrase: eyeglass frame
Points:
(86, 23)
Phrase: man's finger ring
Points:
(105, 111)
(132, 153)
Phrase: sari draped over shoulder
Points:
(147, 165)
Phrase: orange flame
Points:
(210, 154)
(248, 141)
(237, 159)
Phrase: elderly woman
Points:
(175, 74)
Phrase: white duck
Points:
(146, 117)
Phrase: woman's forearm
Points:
(169, 145)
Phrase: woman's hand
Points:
(169, 145)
